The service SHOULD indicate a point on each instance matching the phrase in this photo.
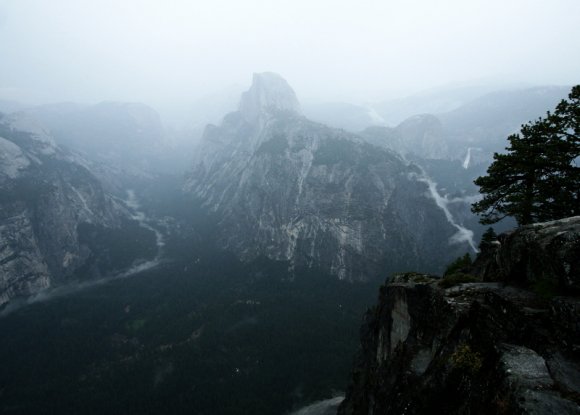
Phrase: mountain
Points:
(504, 343)
(392, 112)
(456, 147)
(471, 132)
(420, 136)
(122, 134)
(435, 101)
(290, 189)
(52, 211)
(484, 124)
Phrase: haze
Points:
(168, 53)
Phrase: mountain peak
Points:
(269, 93)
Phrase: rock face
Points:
(293, 190)
(270, 94)
(44, 195)
(419, 136)
(543, 253)
(456, 147)
(477, 348)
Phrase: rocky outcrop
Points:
(420, 135)
(294, 190)
(269, 94)
(543, 255)
(476, 348)
(511, 346)
(44, 196)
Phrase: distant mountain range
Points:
(249, 266)
(516, 102)
(355, 206)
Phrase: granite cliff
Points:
(508, 344)
(46, 194)
(293, 190)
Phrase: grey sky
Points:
(164, 51)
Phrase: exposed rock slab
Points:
(542, 253)
(44, 196)
(472, 349)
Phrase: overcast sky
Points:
(176, 51)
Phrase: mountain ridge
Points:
(52, 207)
(298, 191)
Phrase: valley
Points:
(197, 326)
(234, 285)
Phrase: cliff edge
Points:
(506, 346)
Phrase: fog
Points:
(171, 53)
(151, 262)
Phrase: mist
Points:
(202, 201)
(170, 54)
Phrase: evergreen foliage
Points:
(461, 264)
(538, 179)
(457, 278)
(487, 239)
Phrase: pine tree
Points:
(461, 264)
(538, 178)
(487, 239)
(564, 152)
